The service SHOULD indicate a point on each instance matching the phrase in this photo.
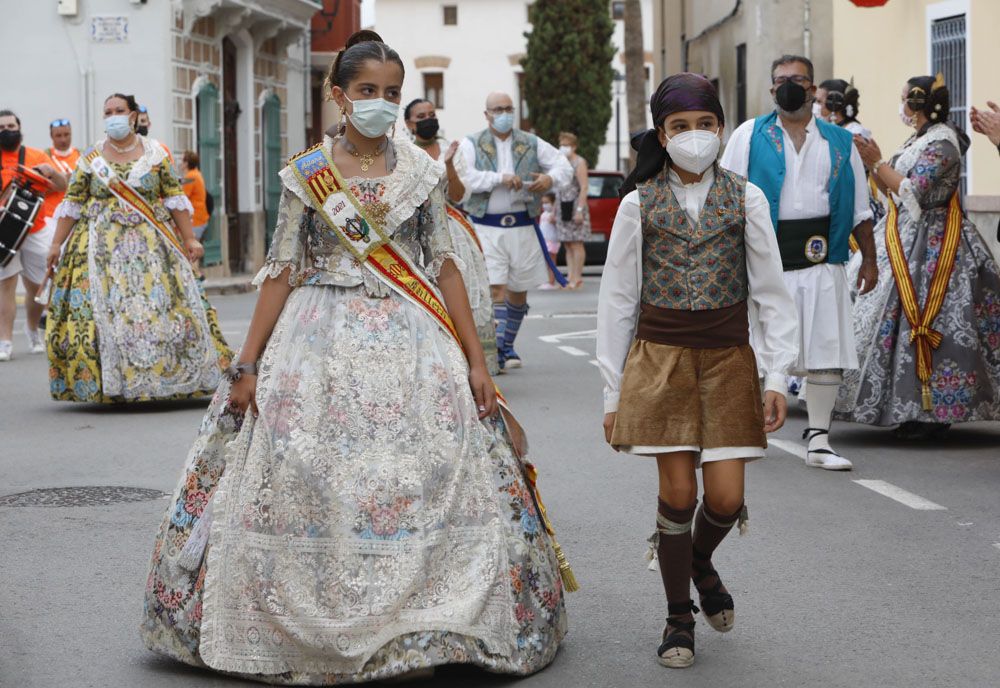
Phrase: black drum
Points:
(18, 208)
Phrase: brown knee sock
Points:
(674, 549)
(710, 529)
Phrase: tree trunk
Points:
(635, 71)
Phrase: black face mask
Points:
(10, 140)
(427, 129)
(790, 96)
(142, 130)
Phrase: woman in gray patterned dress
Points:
(965, 380)
(574, 231)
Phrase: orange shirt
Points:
(8, 168)
(65, 164)
(195, 191)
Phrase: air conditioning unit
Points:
(68, 8)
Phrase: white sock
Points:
(823, 388)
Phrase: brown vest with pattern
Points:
(694, 268)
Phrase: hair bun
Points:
(363, 36)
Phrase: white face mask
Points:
(374, 116)
(694, 151)
(566, 150)
(905, 118)
(817, 110)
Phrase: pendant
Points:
(366, 161)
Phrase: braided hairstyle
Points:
(842, 97)
(130, 101)
(362, 46)
(929, 95)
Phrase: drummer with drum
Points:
(27, 175)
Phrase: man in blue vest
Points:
(507, 172)
(815, 183)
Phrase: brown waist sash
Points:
(707, 329)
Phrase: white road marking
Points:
(556, 338)
(594, 362)
(573, 351)
(900, 495)
(789, 447)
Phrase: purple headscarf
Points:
(683, 92)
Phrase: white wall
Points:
(54, 77)
(487, 34)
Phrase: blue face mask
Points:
(503, 122)
(117, 126)
(374, 116)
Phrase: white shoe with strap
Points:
(6, 350)
(820, 454)
(36, 342)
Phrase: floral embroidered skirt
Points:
(965, 382)
(128, 320)
(365, 525)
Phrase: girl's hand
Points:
(483, 391)
(194, 249)
(52, 259)
(243, 394)
(578, 218)
(775, 410)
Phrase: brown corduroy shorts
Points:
(673, 396)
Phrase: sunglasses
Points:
(59, 123)
(142, 108)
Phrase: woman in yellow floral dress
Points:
(128, 320)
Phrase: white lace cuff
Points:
(273, 270)
(178, 202)
(909, 198)
(68, 209)
(433, 268)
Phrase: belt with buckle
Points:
(506, 220)
(803, 243)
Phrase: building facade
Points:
(734, 42)
(226, 78)
(906, 38)
(457, 52)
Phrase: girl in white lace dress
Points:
(371, 519)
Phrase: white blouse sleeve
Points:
(618, 301)
(736, 156)
(862, 204)
(554, 164)
(475, 181)
(772, 308)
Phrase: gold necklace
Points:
(366, 160)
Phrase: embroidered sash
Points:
(129, 197)
(922, 336)
(331, 198)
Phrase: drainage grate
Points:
(81, 496)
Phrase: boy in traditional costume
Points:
(692, 255)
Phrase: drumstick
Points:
(41, 296)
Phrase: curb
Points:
(228, 285)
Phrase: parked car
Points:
(602, 200)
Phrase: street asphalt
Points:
(838, 583)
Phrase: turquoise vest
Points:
(524, 148)
(694, 268)
(767, 170)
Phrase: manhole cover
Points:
(81, 496)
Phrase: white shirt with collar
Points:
(502, 199)
(805, 189)
(770, 304)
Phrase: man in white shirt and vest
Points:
(507, 172)
(815, 183)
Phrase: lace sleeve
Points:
(435, 238)
(66, 208)
(181, 202)
(288, 245)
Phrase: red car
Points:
(602, 200)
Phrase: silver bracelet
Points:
(238, 370)
(874, 168)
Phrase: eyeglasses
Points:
(795, 79)
(509, 110)
(58, 123)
